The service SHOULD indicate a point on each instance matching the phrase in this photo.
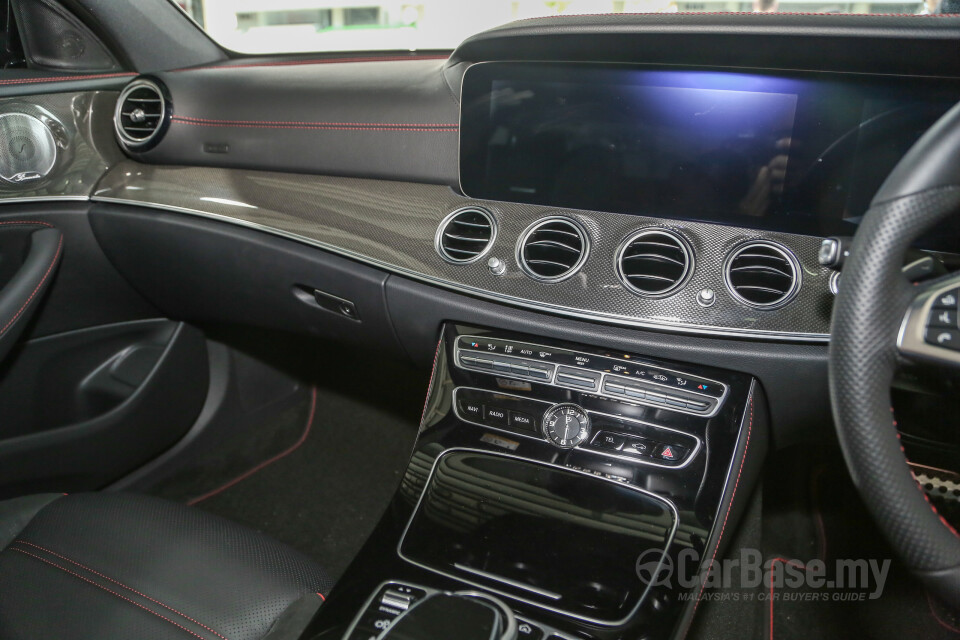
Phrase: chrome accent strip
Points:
(31, 199)
(487, 295)
(649, 462)
(605, 623)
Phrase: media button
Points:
(522, 421)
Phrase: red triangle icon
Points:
(667, 453)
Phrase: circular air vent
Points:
(762, 274)
(465, 235)
(141, 115)
(553, 249)
(654, 262)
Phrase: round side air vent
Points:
(141, 115)
(762, 274)
(654, 262)
(553, 249)
(465, 235)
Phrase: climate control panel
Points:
(620, 377)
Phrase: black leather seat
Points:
(104, 566)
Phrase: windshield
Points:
(288, 26)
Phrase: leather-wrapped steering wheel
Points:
(880, 321)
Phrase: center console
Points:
(570, 484)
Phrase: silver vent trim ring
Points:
(655, 262)
(142, 114)
(762, 274)
(466, 235)
(553, 249)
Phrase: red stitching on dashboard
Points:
(294, 124)
(111, 591)
(66, 78)
(26, 304)
(297, 63)
(45, 224)
(323, 128)
(703, 585)
(270, 461)
(117, 582)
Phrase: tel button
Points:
(947, 338)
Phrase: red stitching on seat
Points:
(321, 596)
(117, 582)
(100, 586)
(265, 463)
(723, 528)
(32, 295)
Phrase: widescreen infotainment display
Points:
(803, 154)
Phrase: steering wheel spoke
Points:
(931, 327)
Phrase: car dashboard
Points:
(609, 248)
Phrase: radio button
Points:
(494, 416)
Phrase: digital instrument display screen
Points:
(800, 154)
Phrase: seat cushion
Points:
(110, 566)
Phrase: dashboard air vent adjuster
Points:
(465, 235)
(762, 274)
(141, 115)
(553, 249)
(654, 262)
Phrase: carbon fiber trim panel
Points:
(85, 144)
(393, 224)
